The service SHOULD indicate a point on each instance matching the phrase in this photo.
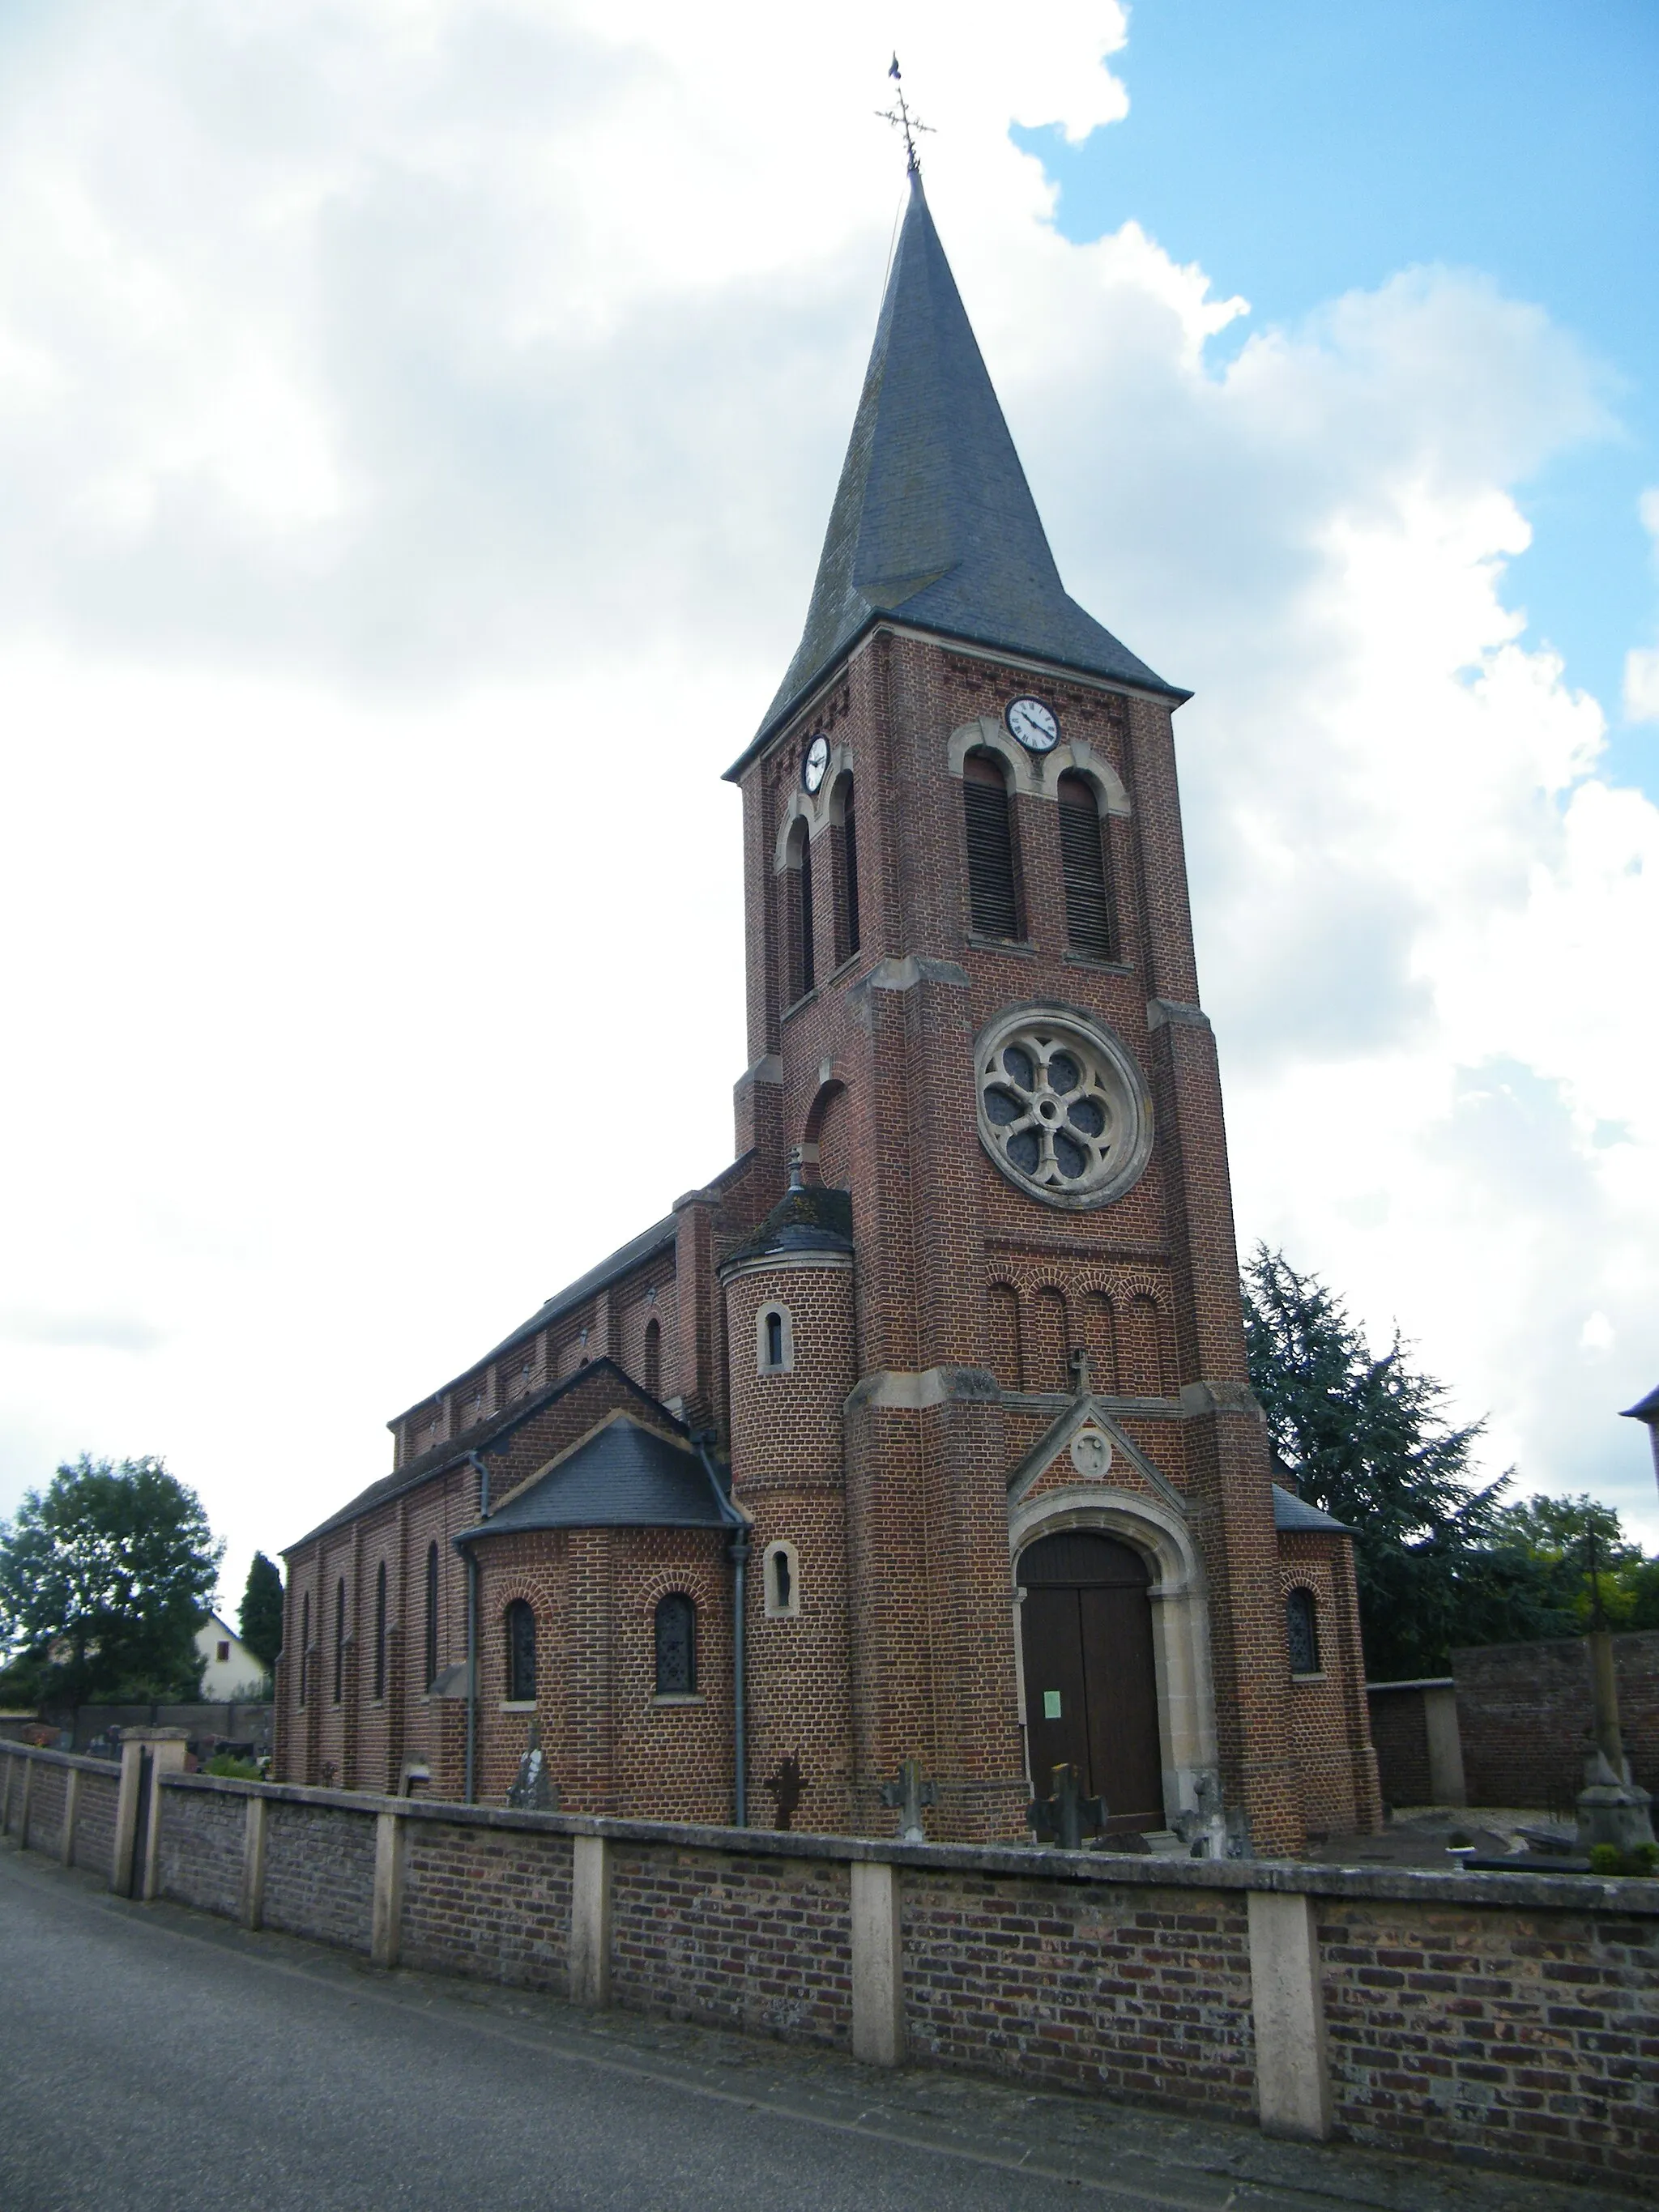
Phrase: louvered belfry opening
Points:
(798, 888)
(992, 891)
(846, 873)
(1083, 866)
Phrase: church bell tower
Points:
(1024, 1507)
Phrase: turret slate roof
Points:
(933, 521)
(808, 1218)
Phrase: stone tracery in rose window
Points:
(1061, 1108)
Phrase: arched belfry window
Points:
(797, 883)
(846, 872)
(677, 1646)
(992, 888)
(520, 1626)
(1302, 1632)
(339, 1637)
(654, 1357)
(1083, 863)
(379, 1630)
(431, 1614)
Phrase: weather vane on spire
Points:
(901, 119)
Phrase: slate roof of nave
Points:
(933, 522)
(482, 1437)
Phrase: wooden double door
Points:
(1091, 1683)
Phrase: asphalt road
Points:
(153, 2060)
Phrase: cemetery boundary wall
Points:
(1512, 2020)
(1525, 1715)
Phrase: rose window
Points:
(1062, 1109)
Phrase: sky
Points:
(418, 421)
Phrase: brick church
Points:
(922, 1431)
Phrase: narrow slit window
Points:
(431, 1614)
(783, 1582)
(305, 1644)
(774, 1340)
(339, 1638)
(677, 1646)
(520, 1626)
(1302, 1632)
(654, 1357)
(993, 894)
(847, 874)
(804, 897)
(379, 1630)
(1083, 869)
(797, 914)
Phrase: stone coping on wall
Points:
(83, 1760)
(1632, 1897)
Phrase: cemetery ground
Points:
(155, 2057)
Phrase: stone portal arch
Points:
(1157, 1534)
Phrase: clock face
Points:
(1034, 725)
(816, 762)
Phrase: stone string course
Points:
(1509, 2019)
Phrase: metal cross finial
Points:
(901, 119)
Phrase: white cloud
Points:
(1642, 662)
(420, 422)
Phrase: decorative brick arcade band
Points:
(1507, 2017)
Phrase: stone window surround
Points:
(764, 1366)
(1110, 1053)
(1037, 776)
(781, 1547)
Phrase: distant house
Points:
(232, 1670)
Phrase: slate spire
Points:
(933, 521)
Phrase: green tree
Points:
(1366, 1437)
(262, 1611)
(1580, 1547)
(105, 1578)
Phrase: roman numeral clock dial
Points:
(1033, 724)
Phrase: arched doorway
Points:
(1090, 1684)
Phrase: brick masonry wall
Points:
(1531, 2035)
(94, 1820)
(201, 1855)
(491, 1903)
(1142, 1992)
(1335, 1763)
(46, 1807)
(1400, 1731)
(749, 1942)
(1524, 1714)
(1508, 2018)
(320, 1871)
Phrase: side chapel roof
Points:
(493, 1435)
(933, 521)
(1292, 1512)
(622, 1475)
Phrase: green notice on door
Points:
(1051, 1704)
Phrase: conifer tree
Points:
(1366, 1438)
(262, 1610)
